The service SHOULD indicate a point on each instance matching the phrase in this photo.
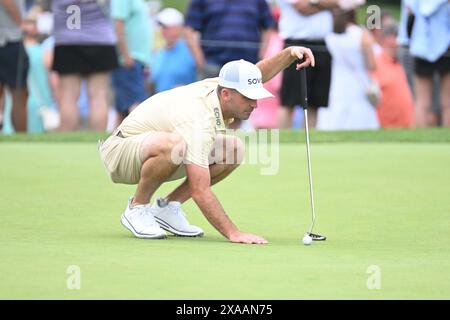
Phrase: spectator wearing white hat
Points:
(173, 65)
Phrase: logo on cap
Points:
(245, 77)
(254, 81)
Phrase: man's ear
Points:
(226, 94)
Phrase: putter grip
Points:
(303, 89)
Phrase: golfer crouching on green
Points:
(178, 134)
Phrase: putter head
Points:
(317, 237)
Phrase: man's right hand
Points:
(200, 184)
(247, 238)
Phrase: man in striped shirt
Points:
(229, 30)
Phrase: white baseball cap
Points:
(170, 17)
(245, 77)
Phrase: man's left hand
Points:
(303, 54)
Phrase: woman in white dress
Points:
(351, 48)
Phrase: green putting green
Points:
(383, 207)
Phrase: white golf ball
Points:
(307, 239)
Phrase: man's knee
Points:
(176, 148)
(228, 150)
(171, 145)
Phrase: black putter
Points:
(304, 99)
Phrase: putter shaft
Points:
(311, 192)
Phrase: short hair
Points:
(220, 88)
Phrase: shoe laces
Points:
(175, 208)
(147, 217)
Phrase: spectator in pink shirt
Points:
(266, 114)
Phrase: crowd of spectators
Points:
(68, 65)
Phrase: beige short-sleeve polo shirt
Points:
(193, 111)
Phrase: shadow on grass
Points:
(170, 238)
(208, 240)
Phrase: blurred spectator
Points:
(2, 109)
(266, 114)
(41, 105)
(403, 42)
(307, 23)
(229, 30)
(83, 100)
(48, 46)
(84, 47)
(396, 107)
(304, 23)
(352, 50)
(429, 44)
(134, 34)
(174, 64)
(13, 61)
(386, 19)
(29, 4)
(407, 59)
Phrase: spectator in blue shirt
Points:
(134, 34)
(173, 65)
(229, 30)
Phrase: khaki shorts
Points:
(122, 159)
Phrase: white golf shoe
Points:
(141, 222)
(171, 217)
